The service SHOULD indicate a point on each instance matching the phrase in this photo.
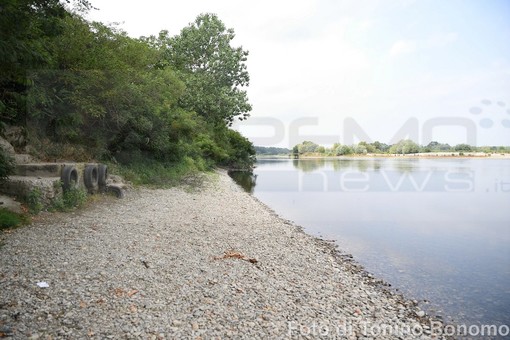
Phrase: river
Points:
(437, 230)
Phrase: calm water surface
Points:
(436, 229)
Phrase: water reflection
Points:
(406, 165)
(343, 164)
(362, 164)
(246, 179)
(309, 165)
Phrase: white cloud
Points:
(440, 40)
(410, 46)
(402, 47)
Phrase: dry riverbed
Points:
(201, 264)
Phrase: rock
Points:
(15, 135)
(10, 204)
(177, 323)
(92, 258)
(7, 147)
(23, 159)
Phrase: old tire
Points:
(91, 177)
(69, 177)
(102, 171)
(115, 190)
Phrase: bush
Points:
(34, 201)
(241, 153)
(72, 198)
(7, 165)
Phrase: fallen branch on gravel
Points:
(231, 254)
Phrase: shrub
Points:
(241, 153)
(6, 165)
(34, 201)
(72, 198)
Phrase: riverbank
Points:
(175, 263)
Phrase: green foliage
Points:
(9, 219)
(160, 174)
(71, 199)
(437, 147)
(307, 147)
(7, 165)
(405, 146)
(380, 147)
(360, 149)
(99, 94)
(343, 150)
(295, 150)
(34, 201)
(213, 71)
(262, 150)
(462, 147)
(25, 27)
(240, 151)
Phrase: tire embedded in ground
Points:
(102, 170)
(90, 177)
(116, 190)
(69, 177)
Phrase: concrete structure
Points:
(51, 179)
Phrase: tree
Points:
(344, 150)
(213, 71)
(436, 147)
(369, 148)
(360, 149)
(463, 147)
(241, 153)
(102, 93)
(26, 30)
(405, 146)
(295, 151)
(307, 147)
(92, 90)
(380, 147)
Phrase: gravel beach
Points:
(192, 264)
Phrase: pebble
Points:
(218, 261)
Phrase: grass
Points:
(9, 219)
(71, 199)
(162, 175)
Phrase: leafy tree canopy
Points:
(213, 71)
(405, 146)
(84, 90)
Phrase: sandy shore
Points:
(203, 264)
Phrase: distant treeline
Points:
(405, 146)
(262, 150)
(84, 90)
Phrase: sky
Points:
(349, 70)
